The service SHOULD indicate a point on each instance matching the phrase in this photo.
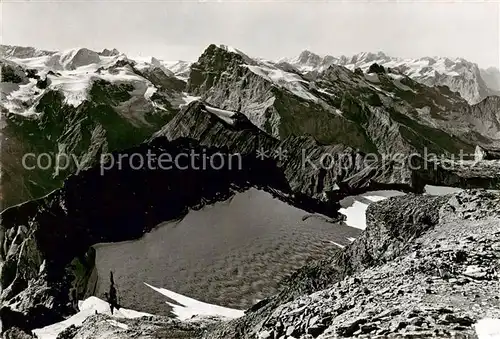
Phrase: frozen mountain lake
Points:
(232, 253)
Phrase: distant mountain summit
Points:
(107, 52)
(491, 76)
(22, 52)
(460, 75)
(311, 131)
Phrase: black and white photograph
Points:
(249, 169)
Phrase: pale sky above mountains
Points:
(269, 29)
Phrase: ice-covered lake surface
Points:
(232, 253)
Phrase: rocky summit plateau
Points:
(235, 197)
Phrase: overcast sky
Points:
(181, 30)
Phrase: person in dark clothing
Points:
(112, 295)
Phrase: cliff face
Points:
(323, 171)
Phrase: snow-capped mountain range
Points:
(473, 83)
(271, 113)
(54, 100)
(78, 101)
(460, 75)
(73, 72)
(79, 65)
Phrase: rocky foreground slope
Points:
(425, 267)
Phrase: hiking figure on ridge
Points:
(111, 296)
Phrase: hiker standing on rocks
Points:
(111, 296)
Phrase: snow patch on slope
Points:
(87, 308)
(67, 60)
(355, 207)
(290, 81)
(186, 308)
(488, 328)
(227, 116)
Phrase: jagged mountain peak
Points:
(107, 52)
(77, 57)
(308, 57)
(226, 53)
